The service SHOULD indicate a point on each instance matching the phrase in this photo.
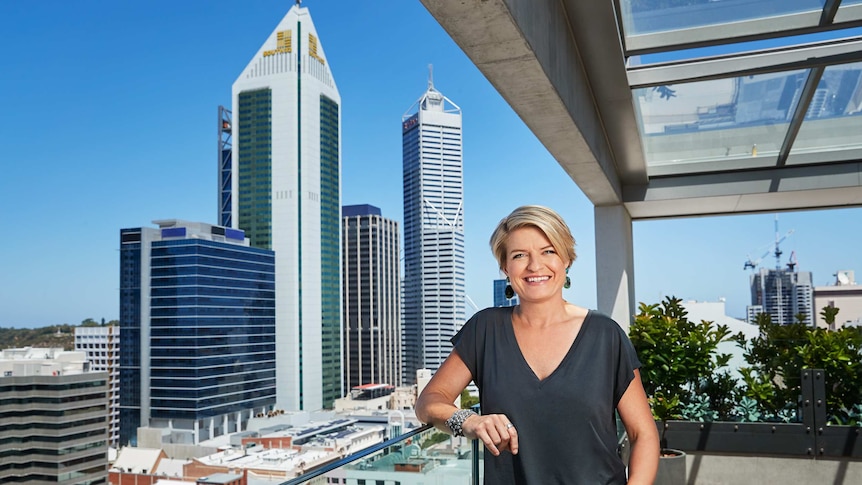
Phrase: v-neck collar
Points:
(510, 330)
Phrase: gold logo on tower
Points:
(312, 49)
(282, 46)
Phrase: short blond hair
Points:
(543, 219)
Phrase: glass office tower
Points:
(371, 297)
(197, 320)
(285, 180)
(433, 289)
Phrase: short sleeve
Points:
(627, 362)
(469, 343)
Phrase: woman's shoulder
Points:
(493, 314)
(602, 321)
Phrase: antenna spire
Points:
(430, 77)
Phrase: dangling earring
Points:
(509, 292)
(568, 283)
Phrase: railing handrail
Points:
(356, 456)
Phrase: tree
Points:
(468, 401)
(778, 355)
(829, 313)
(677, 355)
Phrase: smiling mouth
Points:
(537, 279)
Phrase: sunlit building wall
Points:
(285, 179)
(53, 418)
(102, 346)
(433, 288)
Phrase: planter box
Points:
(763, 439)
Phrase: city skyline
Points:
(108, 130)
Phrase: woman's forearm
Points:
(643, 463)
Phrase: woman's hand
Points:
(495, 431)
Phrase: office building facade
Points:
(782, 294)
(197, 319)
(102, 347)
(53, 418)
(285, 195)
(500, 294)
(433, 288)
(371, 298)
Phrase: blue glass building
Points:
(500, 294)
(197, 313)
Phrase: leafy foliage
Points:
(780, 353)
(699, 410)
(467, 400)
(434, 439)
(747, 410)
(677, 355)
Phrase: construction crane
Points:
(791, 262)
(753, 264)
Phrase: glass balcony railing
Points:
(439, 458)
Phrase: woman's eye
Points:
(550, 251)
(516, 256)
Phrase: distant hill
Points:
(54, 336)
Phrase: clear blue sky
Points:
(110, 122)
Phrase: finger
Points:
(489, 443)
(513, 440)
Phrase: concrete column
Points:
(615, 263)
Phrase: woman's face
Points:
(535, 270)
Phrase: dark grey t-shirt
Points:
(566, 423)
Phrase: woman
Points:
(550, 374)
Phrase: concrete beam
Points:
(527, 51)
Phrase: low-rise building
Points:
(845, 295)
(53, 418)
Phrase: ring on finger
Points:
(509, 425)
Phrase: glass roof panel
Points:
(849, 11)
(744, 47)
(833, 121)
(651, 16)
(721, 124)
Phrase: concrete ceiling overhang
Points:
(560, 64)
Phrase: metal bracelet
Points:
(456, 422)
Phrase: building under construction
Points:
(782, 293)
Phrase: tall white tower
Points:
(286, 168)
(433, 288)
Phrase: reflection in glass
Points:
(743, 118)
(429, 457)
(650, 16)
(833, 120)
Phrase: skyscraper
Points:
(433, 288)
(197, 314)
(285, 170)
(371, 298)
(782, 294)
